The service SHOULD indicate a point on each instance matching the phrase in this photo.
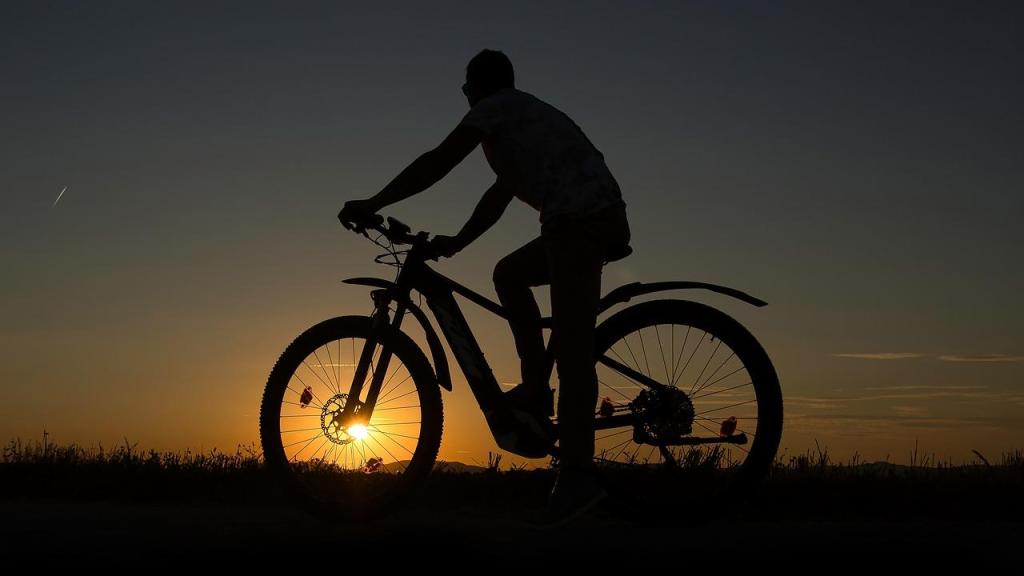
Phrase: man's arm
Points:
(487, 212)
(430, 167)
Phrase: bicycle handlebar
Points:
(395, 231)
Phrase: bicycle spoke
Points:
(383, 447)
(616, 390)
(650, 454)
(379, 458)
(672, 351)
(706, 364)
(726, 376)
(375, 429)
(662, 350)
(688, 360)
(628, 430)
(716, 432)
(331, 365)
(397, 443)
(640, 334)
(320, 447)
(675, 362)
(608, 450)
(311, 440)
(300, 430)
(712, 375)
(725, 407)
(300, 406)
(314, 437)
(394, 408)
(383, 399)
(720, 391)
(315, 397)
(413, 391)
(636, 363)
(323, 369)
(719, 423)
(310, 368)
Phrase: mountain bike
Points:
(351, 416)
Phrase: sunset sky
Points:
(859, 166)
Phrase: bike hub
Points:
(663, 415)
(337, 426)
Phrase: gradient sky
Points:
(857, 165)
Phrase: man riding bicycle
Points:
(541, 157)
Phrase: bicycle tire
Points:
(349, 494)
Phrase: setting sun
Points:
(359, 432)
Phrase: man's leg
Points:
(513, 277)
(575, 263)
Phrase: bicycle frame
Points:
(439, 291)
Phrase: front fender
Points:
(441, 371)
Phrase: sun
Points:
(358, 431)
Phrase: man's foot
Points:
(539, 400)
(575, 494)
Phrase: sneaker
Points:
(522, 432)
(574, 495)
(528, 398)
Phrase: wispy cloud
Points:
(904, 393)
(911, 411)
(981, 358)
(943, 357)
(926, 387)
(880, 355)
(904, 420)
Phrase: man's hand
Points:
(356, 211)
(446, 246)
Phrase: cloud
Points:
(911, 411)
(981, 358)
(926, 387)
(944, 357)
(880, 355)
(904, 421)
(917, 393)
(816, 403)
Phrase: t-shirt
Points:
(543, 155)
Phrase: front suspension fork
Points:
(356, 411)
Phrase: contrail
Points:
(58, 197)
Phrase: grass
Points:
(805, 486)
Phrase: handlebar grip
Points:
(398, 227)
(360, 223)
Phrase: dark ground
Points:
(61, 531)
(222, 510)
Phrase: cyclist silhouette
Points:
(541, 157)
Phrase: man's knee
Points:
(504, 276)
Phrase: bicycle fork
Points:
(357, 412)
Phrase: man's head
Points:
(488, 72)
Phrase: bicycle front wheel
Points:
(344, 470)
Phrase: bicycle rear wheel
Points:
(687, 394)
(355, 469)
